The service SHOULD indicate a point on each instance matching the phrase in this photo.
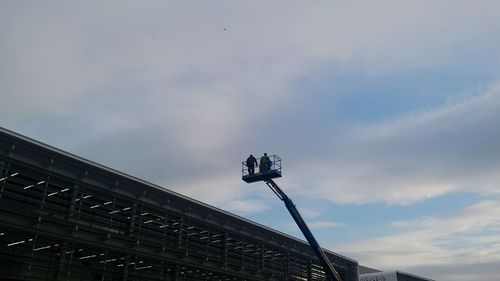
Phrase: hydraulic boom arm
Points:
(331, 273)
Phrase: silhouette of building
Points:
(364, 269)
(66, 218)
(390, 276)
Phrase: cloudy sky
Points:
(385, 113)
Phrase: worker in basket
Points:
(265, 164)
(251, 163)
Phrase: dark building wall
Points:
(65, 218)
(391, 276)
(365, 270)
(403, 276)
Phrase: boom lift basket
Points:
(273, 172)
(272, 169)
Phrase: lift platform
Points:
(262, 175)
(267, 175)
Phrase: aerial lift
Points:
(270, 168)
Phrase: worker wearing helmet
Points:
(265, 164)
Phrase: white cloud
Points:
(291, 226)
(245, 206)
(42, 70)
(163, 49)
(322, 224)
(412, 158)
(461, 238)
(473, 218)
(309, 212)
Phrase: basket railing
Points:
(275, 165)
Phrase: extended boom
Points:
(270, 168)
(331, 273)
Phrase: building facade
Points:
(66, 218)
(391, 276)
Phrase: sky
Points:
(385, 113)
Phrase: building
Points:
(364, 270)
(66, 218)
(371, 274)
(391, 276)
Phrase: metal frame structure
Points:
(66, 218)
